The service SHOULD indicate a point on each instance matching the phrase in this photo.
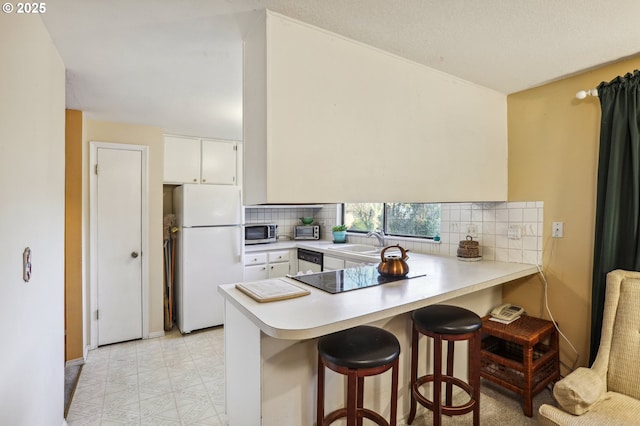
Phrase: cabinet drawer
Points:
(278, 256)
(255, 258)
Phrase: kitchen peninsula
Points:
(270, 348)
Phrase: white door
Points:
(119, 244)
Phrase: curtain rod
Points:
(584, 93)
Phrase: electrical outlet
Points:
(557, 229)
(472, 230)
(514, 232)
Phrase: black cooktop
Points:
(349, 279)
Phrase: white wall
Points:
(32, 117)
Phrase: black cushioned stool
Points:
(451, 324)
(357, 353)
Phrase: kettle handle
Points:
(403, 252)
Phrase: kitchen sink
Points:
(357, 248)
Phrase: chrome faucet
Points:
(379, 234)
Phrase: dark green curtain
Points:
(617, 233)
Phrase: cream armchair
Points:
(608, 393)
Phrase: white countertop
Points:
(323, 246)
(321, 313)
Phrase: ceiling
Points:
(178, 64)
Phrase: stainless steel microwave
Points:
(259, 233)
(306, 232)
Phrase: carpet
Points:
(71, 376)
(498, 406)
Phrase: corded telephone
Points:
(506, 312)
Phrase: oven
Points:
(309, 261)
(306, 232)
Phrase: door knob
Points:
(134, 254)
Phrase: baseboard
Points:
(72, 362)
(156, 334)
(86, 352)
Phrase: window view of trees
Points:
(363, 217)
(402, 219)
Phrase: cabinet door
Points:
(219, 162)
(332, 263)
(255, 273)
(277, 270)
(181, 160)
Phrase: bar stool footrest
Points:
(361, 413)
(448, 410)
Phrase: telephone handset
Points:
(507, 312)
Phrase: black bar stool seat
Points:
(450, 324)
(357, 353)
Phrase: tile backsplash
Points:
(506, 231)
(325, 215)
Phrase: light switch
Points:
(557, 229)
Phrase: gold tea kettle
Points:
(394, 266)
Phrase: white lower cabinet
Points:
(268, 264)
(330, 263)
(255, 266)
(279, 264)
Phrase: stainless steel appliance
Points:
(306, 232)
(309, 261)
(260, 233)
(349, 279)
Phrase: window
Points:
(399, 219)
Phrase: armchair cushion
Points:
(579, 391)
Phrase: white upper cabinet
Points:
(181, 160)
(193, 160)
(327, 120)
(218, 162)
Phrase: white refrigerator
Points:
(209, 251)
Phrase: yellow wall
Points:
(553, 157)
(101, 131)
(73, 236)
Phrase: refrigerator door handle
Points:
(240, 245)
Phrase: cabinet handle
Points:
(204, 180)
(272, 267)
(195, 180)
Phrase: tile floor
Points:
(172, 380)
(179, 380)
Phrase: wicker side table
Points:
(516, 356)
